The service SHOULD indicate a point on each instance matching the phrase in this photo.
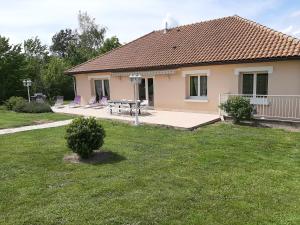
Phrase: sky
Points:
(130, 19)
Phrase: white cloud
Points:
(291, 30)
(170, 21)
(295, 14)
(288, 30)
(288, 23)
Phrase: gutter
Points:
(176, 66)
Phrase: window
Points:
(193, 85)
(262, 84)
(198, 86)
(248, 84)
(106, 88)
(102, 89)
(255, 84)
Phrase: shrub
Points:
(15, 103)
(84, 135)
(34, 107)
(238, 108)
(19, 104)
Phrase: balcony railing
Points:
(283, 107)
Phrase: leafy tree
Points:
(63, 42)
(79, 46)
(109, 44)
(34, 48)
(91, 34)
(36, 58)
(12, 68)
(55, 81)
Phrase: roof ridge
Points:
(99, 56)
(267, 28)
(195, 23)
(207, 41)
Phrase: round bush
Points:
(15, 103)
(84, 135)
(238, 108)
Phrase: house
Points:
(186, 68)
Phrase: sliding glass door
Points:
(102, 89)
(146, 90)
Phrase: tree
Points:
(36, 56)
(109, 44)
(91, 34)
(12, 68)
(79, 46)
(34, 48)
(55, 81)
(63, 41)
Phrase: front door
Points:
(146, 90)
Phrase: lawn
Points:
(220, 174)
(10, 119)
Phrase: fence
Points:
(283, 107)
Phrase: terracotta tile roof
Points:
(224, 40)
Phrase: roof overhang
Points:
(176, 66)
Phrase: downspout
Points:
(74, 85)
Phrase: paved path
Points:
(35, 127)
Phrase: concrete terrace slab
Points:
(180, 120)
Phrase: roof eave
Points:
(175, 66)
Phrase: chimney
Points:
(166, 27)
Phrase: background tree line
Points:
(45, 65)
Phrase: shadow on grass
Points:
(97, 158)
(252, 123)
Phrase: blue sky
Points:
(22, 19)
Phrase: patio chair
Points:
(125, 108)
(76, 102)
(111, 106)
(144, 106)
(59, 103)
(92, 103)
(102, 103)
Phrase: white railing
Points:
(285, 107)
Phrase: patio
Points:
(179, 120)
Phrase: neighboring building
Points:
(187, 67)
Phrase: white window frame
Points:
(262, 69)
(254, 100)
(199, 86)
(254, 81)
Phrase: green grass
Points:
(10, 119)
(220, 174)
